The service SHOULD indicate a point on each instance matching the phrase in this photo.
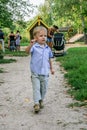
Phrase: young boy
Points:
(40, 65)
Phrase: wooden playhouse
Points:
(37, 22)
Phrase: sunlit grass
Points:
(75, 63)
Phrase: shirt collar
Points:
(38, 45)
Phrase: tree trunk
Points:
(85, 38)
(83, 25)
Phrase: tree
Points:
(14, 10)
(74, 11)
(20, 9)
(5, 15)
(68, 13)
(45, 11)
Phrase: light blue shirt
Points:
(40, 59)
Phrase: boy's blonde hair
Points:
(38, 29)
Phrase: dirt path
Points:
(67, 46)
(16, 104)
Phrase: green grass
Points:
(16, 53)
(75, 63)
(4, 61)
(24, 44)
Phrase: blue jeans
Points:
(40, 85)
(49, 40)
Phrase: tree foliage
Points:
(66, 13)
(20, 9)
(5, 15)
(14, 10)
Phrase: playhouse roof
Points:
(38, 21)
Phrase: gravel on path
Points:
(16, 101)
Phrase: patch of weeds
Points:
(16, 53)
(71, 92)
(77, 104)
(83, 129)
(1, 70)
(1, 82)
(64, 125)
(59, 122)
(4, 61)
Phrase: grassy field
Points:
(75, 63)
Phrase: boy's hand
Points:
(32, 42)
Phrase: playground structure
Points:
(38, 21)
(76, 38)
(72, 38)
(68, 29)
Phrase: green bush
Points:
(24, 40)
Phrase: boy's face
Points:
(41, 37)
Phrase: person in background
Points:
(40, 65)
(50, 35)
(11, 42)
(2, 40)
(18, 39)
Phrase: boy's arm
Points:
(29, 47)
(51, 67)
(49, 35)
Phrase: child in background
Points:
(40, 65)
